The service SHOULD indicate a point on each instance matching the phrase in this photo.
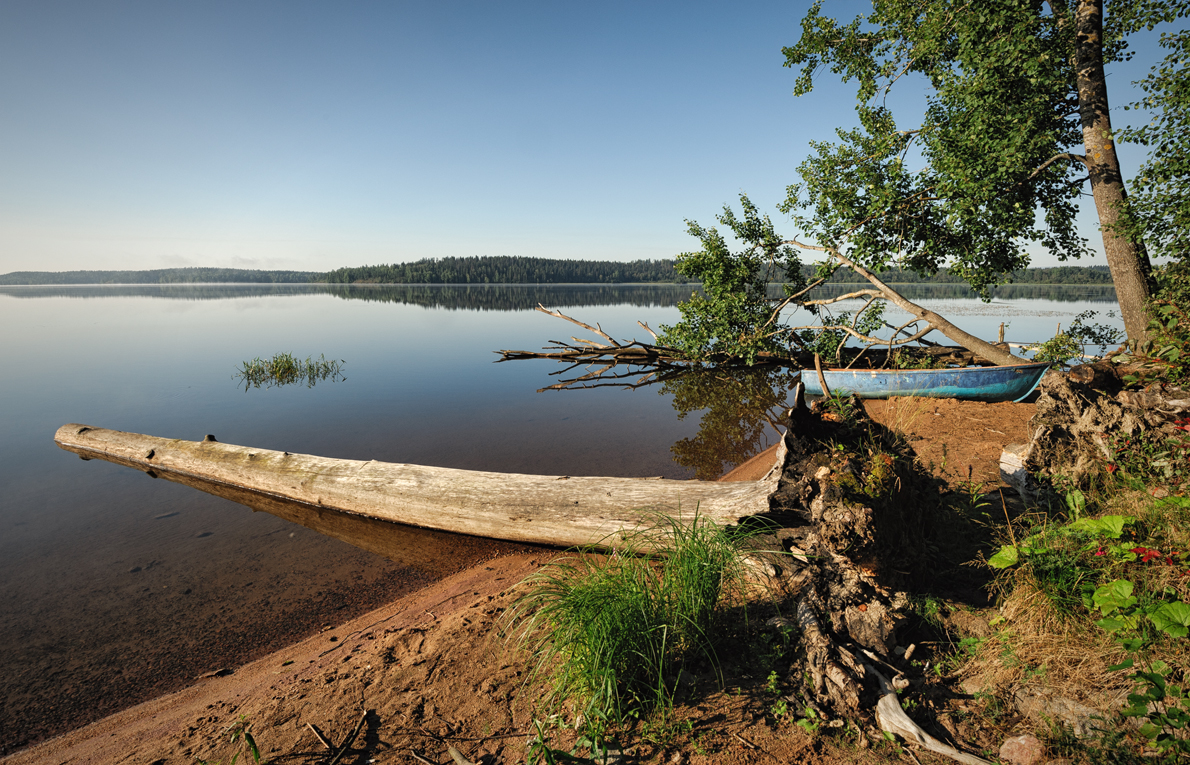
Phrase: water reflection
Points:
(740, 410)
(473, 297)
(740, 406)
(416, 549)
(517, 297)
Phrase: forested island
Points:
(500, 270)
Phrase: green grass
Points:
(287, 369)
(613, 630)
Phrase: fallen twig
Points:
(318, 735)
(347, 742)
(458, 757)
(744, 741)
(421, 759)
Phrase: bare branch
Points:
(848, 296)
(807, 289)
(646, 327)
(1055, 158)
(991, 352)
(595, 329)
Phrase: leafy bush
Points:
(735, 318)
(1067, 346)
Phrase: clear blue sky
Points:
(313, 135)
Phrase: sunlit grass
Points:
(612, 630)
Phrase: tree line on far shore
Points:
(161, 276)
(500, 270)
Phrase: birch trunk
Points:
(1128, 261)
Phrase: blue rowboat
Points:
(1011, 383)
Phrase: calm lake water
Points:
(115, 587)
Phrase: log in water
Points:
(553, 510)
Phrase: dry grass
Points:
(899, 413)
(1047, 637)
(1038, 644)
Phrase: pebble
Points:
(1022, 750)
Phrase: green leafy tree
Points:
(1016, 88)
(734, 317)
(1160, 201)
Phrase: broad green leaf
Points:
(1172, 619)
(1076, 503)
(1007, 556)
(1113, 596)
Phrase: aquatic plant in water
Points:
(287, 369)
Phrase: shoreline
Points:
(138, 733)
(137, 725)
(433, 666)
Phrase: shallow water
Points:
(115, 587)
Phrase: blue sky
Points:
(316, 135)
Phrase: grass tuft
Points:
(287, 369)
(614, 629)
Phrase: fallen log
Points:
(555, 510)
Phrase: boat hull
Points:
(1009, 383)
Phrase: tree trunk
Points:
(1128, 261)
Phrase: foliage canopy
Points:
(1015, 88)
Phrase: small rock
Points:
(1022, 750)
(1035, 704)
(215, 673)
(972, 685)
(822, 472)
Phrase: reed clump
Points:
(614, 630)
(287, 369)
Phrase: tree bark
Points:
(1128, 260)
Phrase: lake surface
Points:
(115, 587)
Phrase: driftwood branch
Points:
(841, 298)
(892, 718)
(596, 329)
(989, 351)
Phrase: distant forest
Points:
(1055, 275)
(499, 270)
(162, 276)
(508, 270)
